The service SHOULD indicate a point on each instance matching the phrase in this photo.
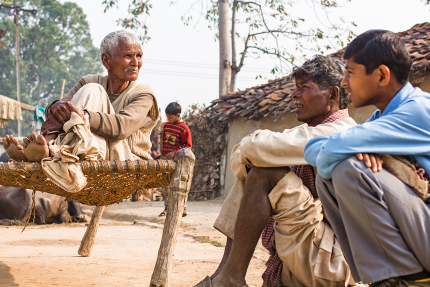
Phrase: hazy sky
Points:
(181, 62)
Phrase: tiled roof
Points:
(273, 98)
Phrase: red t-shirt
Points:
(175, 137)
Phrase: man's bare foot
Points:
(13, 149)
(35, 147)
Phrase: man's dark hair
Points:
(173, 109)
(381, 47)
(325, 72)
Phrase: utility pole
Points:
(16, 10)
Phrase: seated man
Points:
(382, 225)
(267, 187)
(120, 112)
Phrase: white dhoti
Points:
(80, 144)
(305, 242)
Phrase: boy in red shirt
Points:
(176, 136)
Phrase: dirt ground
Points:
(124, 253)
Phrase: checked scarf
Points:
(272, 275)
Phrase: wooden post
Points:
(222, 171)
(18, 78)
(87, 242)
(62, 89)
(180, 185)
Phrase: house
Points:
(268, 106)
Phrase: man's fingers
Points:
(65, 113)
(60, 116)
(373, 163)
(379, 162)
(366, 160)
(359, 156)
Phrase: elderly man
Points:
(381, 217)
(273, 180)
(119, 112)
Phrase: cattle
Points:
(48, 208)
(16, 203)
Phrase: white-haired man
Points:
(120, 111)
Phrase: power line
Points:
(197, 65)
(195, 75)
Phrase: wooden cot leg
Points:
(180, 185)
(87, 242)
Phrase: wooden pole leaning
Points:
(87, 242)
(180, 185)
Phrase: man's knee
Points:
(268, 176)
(90, 97)
(349, 165)
(92, 90)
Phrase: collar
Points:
(398, 99)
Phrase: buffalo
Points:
(48, 208)
(16, 203)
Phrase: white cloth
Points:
(9, 110)
(264, 148)
(80, 144)
(305, 243)
(77, 144)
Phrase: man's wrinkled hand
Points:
(62, 111)
(51, 125)
(170, 155)
(372, 161)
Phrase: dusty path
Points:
(124, 253)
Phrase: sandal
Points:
(163, 213)
(207, 282)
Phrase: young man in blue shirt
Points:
(383, 227)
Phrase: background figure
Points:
(176, 136)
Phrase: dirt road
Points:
(124, 253)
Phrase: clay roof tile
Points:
(274, 97)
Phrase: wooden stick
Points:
(27, 107)
(87, 242)
(62, 88)
(180, 185)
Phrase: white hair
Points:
(110, 43)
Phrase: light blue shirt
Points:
(402, 129)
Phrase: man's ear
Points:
(384, 75)
(105, 60)
(334, 95)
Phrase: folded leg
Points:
(382, 226)
(305, 243)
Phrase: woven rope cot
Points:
(108, 182)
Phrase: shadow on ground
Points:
(6, 278)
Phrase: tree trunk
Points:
(234, 69)
(224, 47)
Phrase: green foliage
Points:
(136, 9)
(54, 45)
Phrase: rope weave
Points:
(104, 186)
